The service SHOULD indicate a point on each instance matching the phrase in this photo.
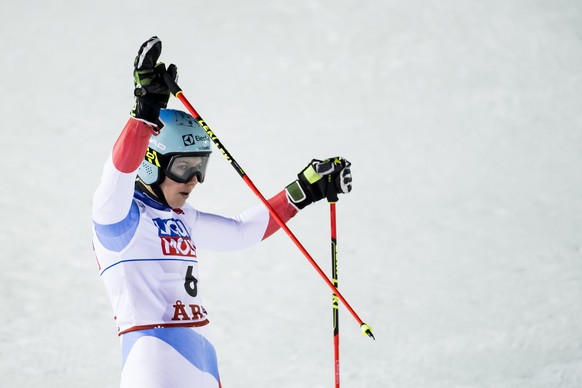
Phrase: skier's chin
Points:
(178, 200)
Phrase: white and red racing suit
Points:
(147, 258)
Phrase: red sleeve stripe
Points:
(283, 208)
(131, 146)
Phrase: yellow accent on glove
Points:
(311, 175)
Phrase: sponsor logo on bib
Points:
(175, 239)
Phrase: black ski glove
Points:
(151, 93)
(321, 179)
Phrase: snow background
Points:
(460, 244)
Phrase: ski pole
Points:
(334, 279)
(177, 91)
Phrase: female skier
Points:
(146, 236)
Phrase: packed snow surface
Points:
(461, 243)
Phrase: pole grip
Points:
(171, 84)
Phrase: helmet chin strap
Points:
(153, 191)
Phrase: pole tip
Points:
(367, 330)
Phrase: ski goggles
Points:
(182, 168)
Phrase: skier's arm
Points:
(219, 233)
(115, 214)
(114, 195)
(320, 179)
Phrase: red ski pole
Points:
(177, 91)
(334, 279)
